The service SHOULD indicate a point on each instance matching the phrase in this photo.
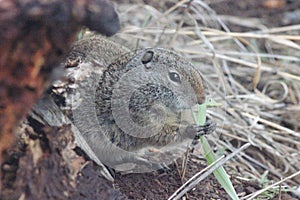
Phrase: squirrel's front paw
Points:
(195, 131)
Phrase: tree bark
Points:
(35, 35)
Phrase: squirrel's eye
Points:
(175, 77)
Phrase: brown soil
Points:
(162, 184)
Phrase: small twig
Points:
(179, 26)
(184, 163)
(175, 7)
(280, 191)
(191, 183)
(272, 124)
(176, 194)
(255, 194)
(242, 62)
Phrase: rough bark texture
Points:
(44, 165)
(35, 35)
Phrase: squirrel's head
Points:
(151, 82)
(162, 75)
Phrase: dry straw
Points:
(255, 75)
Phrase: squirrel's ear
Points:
(147, 58)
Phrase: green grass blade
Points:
(219, 173)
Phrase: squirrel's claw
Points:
(195, 131)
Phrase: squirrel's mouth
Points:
(187, 115)
(160, 114)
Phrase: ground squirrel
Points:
(138, 106)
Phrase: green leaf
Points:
(219, 173)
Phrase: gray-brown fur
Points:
(159, 96)
(96, 48)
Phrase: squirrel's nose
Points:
(199, 90)
(200, 98)
(197, 83)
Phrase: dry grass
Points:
(255, 75)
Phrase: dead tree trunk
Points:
(35, 36)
